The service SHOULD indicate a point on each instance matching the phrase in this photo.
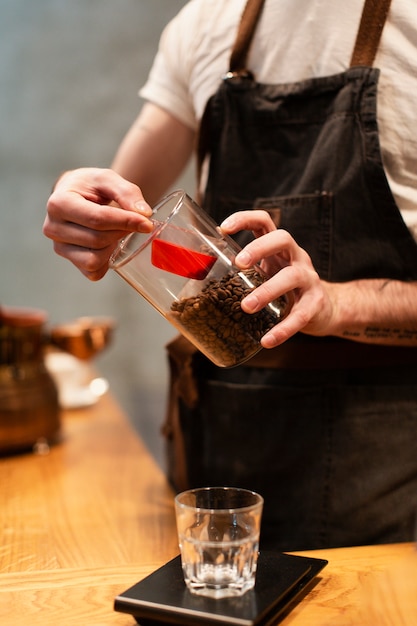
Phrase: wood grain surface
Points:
(95, 515)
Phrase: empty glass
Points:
(218, 532)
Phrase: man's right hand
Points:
(88, 212)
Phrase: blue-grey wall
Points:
(69, 75)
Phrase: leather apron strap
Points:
(373, 19)
(246, 30)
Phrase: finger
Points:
(308, 307)
(74, 209)
(258, 221)
(103, 186)
(283, 331)
(286, 280)
(278, 242)
(93, 263)
(77, 235)
(84, 196)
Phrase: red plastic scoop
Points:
(181, 261)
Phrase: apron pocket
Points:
(296, 214)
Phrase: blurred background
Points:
(70, 71)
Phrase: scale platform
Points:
(162, 597)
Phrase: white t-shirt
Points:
(296, 40)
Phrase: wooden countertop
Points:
(94, 516)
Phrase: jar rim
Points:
(115, 261)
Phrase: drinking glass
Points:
(218, 532)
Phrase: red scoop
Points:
(181, 261)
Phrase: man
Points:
(283, 103)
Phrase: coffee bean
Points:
(215, 318)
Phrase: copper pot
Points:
(29, 410)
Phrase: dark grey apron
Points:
(331, 446)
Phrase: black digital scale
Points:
(163, 598)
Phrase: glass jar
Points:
(185, 269)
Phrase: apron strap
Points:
(246, 30)
(369, 34)
(373, 19)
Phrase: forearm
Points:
(377, 311)
(154, 152)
